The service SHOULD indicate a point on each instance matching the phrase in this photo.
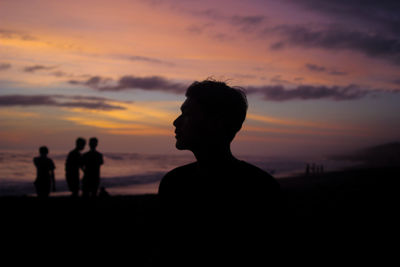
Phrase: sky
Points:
(322, 77)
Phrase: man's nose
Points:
(176, 121)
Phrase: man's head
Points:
(43, 151)
(212, 114)
(93, 143)
(80, 143)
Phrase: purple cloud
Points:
(5, 66)
(12, 34)
(317, 68)
(309, 92)
(382, 16)
(89, 102)
(149, 60)
(38, 67)
(246, 23)
(152, 83)
(269, 92)
(334, 37)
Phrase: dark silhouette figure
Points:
(218, 190)
(103, 193)
(45, 180)
(307, 169)
(313, 169)
(73, 163)
(92, 160)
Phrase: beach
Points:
(357, 190)
(325, 207)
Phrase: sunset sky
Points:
(322, 77)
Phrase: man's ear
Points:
(218, 125)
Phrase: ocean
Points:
(126, 173)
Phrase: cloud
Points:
(397, 81)
(12, 34)
(148, 59)
(246, 23)
(209, 13)
(309, 92)
(337, 72)
(334, 37)
(89, 102)
(54, 71)
(208, 30)
(235, 20)
(38, 67)
(243, 23)
(145, 59)
(247, 20)
(376, 15)
(152, 83)
(277, 79)
(269, 92)
(5, 66)
(317, 68)
(199, 29)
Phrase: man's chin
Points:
(179, 146)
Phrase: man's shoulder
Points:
(73, 153)
(251, 171)
(181, 171)
(175, 178)
(92, 153)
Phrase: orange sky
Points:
(49, 50)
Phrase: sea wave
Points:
(17, 171)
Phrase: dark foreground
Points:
(330, 216)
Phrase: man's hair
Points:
(80, 140)
(218, 99)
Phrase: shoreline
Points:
(347, 192)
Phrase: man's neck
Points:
(209, 157)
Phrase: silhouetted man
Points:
(218, 190)
(45, 180)
(92, 160)
(73, 163)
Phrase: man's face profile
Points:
(192, 129)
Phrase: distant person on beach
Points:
(45, 180)
(73, 163)
(92, 160)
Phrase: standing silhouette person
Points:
(308, 169)
(73, 163)
(45, 180)
(218, 187)
(92, 160)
